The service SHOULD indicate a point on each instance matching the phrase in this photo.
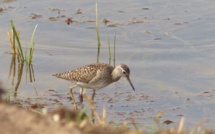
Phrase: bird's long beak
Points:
(130, 82)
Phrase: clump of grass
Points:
(18, 50)
(22, 58)
(99, 42)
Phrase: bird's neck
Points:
(115, 75)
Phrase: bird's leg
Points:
(93, 117)
(92, 114)
(81, 95)
(72, 97)
(94, 92)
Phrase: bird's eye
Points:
(123, 72)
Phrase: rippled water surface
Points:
(168, 45)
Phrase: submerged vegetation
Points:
(99, 42)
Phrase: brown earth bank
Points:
(18, 120)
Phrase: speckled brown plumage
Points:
(85, 73)
(95, 76)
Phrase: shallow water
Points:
(168, 45)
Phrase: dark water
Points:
(168, 45)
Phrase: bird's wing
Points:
(82, 74)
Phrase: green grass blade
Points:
(82, 114)
(114, 53)
(18, 41)
(31, 50)
(109, 52)
(98, 34)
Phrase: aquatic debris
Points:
(79, 11)
(52, 18)
(1, 9)
(69, 21)
(106, 21)
(35, 16)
